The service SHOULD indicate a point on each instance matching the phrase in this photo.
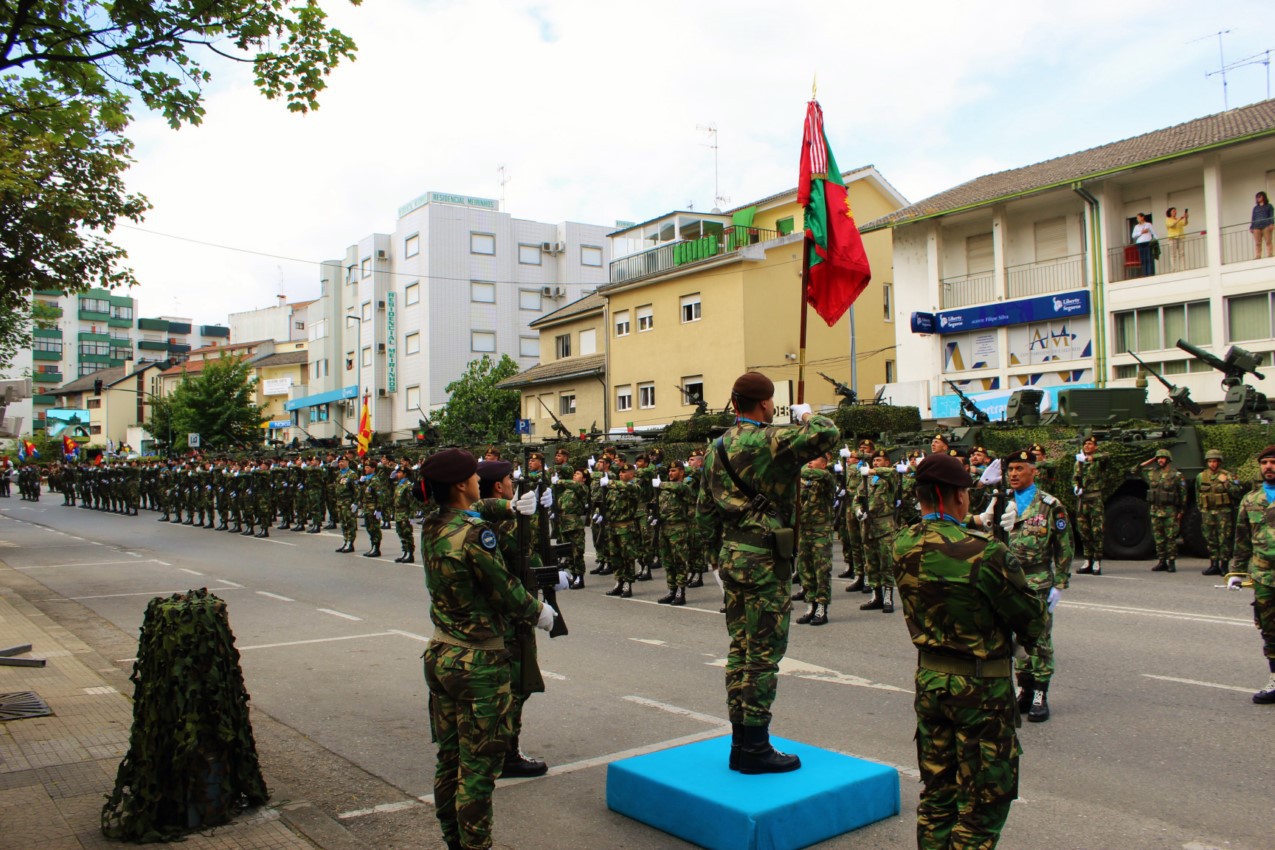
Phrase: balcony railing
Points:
(967, 289)
(1046, 276)
(1237, 244)
(1176, 255)
(666, 258)
(47, 377)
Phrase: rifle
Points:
(1000, 493)
(970, 413)
(545, 577)
(558, 428)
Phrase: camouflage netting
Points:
(192, 759)
(869, 420)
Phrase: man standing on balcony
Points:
(1144, 237)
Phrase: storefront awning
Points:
(322, 398)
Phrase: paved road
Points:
(1154, 741)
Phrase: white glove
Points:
(841, 494)
(517, 473)
(898, 503)
(592, 462)
(985, 518)
(655, 521)
(655, 482)
(597, 519)
(1234, 582)
(901, 467)
(546, 499)
(554, 478)
(860, 515)
(547, 614)
(799, 411)
(526, 503)
(1080, 457)
(837, 468)
(865, 470)
(1010, 516)
(1055, 596)
(1077, 490)
(845, 451)
(604, 482)
(564, 579)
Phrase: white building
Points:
(1027, 278)
(282, 322)
(404, 313)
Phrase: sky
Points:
(595, 110)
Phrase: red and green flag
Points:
(839, 270)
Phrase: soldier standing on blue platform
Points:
(1255, 561)
(963, 599)
(750, 486)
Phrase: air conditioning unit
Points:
(547, 247)
(380, 305)
(546, 291)
(559, 291)
(380, 348)
(380, 253)
(559, 247)
(381, 392)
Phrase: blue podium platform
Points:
(690, 792)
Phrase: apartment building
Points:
(284, 322)
(1029, 277)
(110, 406)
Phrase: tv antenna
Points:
(1263, 58)
(718, 198)
(1221, 56)
(503, 179)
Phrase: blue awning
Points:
(322, 398)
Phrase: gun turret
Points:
(701, 406)
(558, 428)
(848, 395)
(970, 414)
(1179, 397)
(1242, 402)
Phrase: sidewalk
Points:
(55, 771)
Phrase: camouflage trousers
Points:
(599, 532)
(623, 550)
(1040, 659)
(967, 752)
(758, 613)
(675, 553)
(880, 559)
(1218, 526)
(1264, 616)
(469, 714)
(287, 500)
(403, 527)
(1164, 529)
(1089, 519)
(573, 533)
(372, 522)
(349, 522)
(310, 506)
(646, 542)
(814, 566)
(856, 559)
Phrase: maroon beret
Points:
(450, 466)
(1269, 451)
(494, 470)
(753, 386)
(942, 469)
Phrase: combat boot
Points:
(1161, 566)
(164, 518)
(1039, 711)
(410, 557)
(799, 595)
(1097, 566)
(264, 532)
(314, 529)
(848, 572)
(1266, 696)
(808, 616)
(236, 528)
(887, 601)
(330, 526)
(577, 582)
(374, 552)
(856, 585)
(284, 526)
(820, 617)
(1214, 569)
(752, 754)
(627, 592)
(697, 579)
(400, 558)
(346, 546)
(1087, 569)
(518, 765)
(249, 531)
(1026, 691)
(644, 574)
(668, 598)
(1173, 566)
(617, 590)
(224, 526)
(189, 521)
(876, 603)
(679, 596)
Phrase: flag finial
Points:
(814, 87)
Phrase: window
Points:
(886, 306)
(528, 346)
(692, 389)
(93, 404)
(889, 371)
(95, 429)
(590, 255)
(412, 343)
(529, 299)
(320, 413)
(529, 255)
(482, 243)
(562, 346)
(1156, 328)
(483, 341)
(367, 311)
(412, 294)
(299, 325)
(978, 254)
(1248, 317)
(646, 395)
(624, 397)
(483, 293)
(319, 369)
(95, 348)
(690, 308)
(1051, 238)
(367, 356)
(122, 313)
(784, 226)
(365, 267)
(349, 361)
(622, 323)
(90, 368)
(41, 344)
(350, 275)
(412, 245)
(413, 398)
(588, 342)
(566, 404)
(95, 305)
(645, 318)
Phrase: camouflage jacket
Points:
(572, 504)
(623, 501)
(372, 493)
(882, 488)
(404, 503)
(347, 486)
(1215, 490)
(1040, 544)
(1166, 488)
(1255, 537)
(1088, 478)
(677, 502)
(818, 492)
(961, 593)
(474, 598)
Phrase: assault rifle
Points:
(545, 577)
(970, 413)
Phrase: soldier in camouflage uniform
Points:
(571, 503)
(962, 598)
(858, 564)
(757, 551)
(598, 518)
(1215, 492)
(876, 508)
(1255, 561)
(643, 474)
(370, 500)
(1040, 545)
(404, 505)
(346, 494)
(676, 512)
(625, 511)
(474, 599)
(706, 541)
(1086, 483)
(1166, 492)
(815, 513)
(263, 498)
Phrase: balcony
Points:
(1176, 255)
(89, 336)
(94, 315)
(1237, 244)
(153, 325)
(119, 322)
(1042, 278)
(214, 331)
(44, 400)
(675, 255)
(152, 344)
(179, 327)
(178, 348)
(39, 354)
(47, 377)
(962, 290)
(46, 333)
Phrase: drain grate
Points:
(23, 704)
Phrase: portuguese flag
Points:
(839, 269)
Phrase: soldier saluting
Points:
(1214, 489)
(1255, 560)
(1166, 492)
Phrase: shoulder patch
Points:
(1048, 499)
(487, 539)
(1061, 523)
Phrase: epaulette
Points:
(1048, 499)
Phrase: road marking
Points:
(277, 542)
(100, 691)
(383, 808)
(557, 677)
(134, 554)
(84, 564)
(678, 710)
(1201, 684)
(123, 595)
(650, 641)
(314, 640)
(1169, 615)
(338, 614)
(411, 635)
(680, 607)
(165, 563)
(802, 670)
(183, 569)
(228, 583)
(275, 596)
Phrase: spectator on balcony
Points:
(1263, 225)
(1175, 231)
(1148, 244)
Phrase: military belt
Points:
(748, 538)
(989, 668)
(492, 643)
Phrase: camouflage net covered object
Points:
(192, 761)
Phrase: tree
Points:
(476, 411)
(217, 404)
(69, 75)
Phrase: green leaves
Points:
(218, 404)
(477, 411)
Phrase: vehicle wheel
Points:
(1193, 533)
(1127, 524)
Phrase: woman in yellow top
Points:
(1175, 230)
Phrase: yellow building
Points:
(277, 373)
(112, 404)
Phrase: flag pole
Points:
(805, 306)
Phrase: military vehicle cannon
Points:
(1243, 403)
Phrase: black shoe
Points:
(697, 579)
(284, 526)
(189, 522)
(606, 570)
(627, 592)
(235, 529)
(876, 603)
(752, 754)
(855, 585)
(848, 573)
(1087, 569)
(596, 570)
(1160, 567)
(314, 529)
(679, 597)
(1026, 689)
(1214, 569)
(409, 558)
(668, 598)
(164, 518)
(1266, 696)
(799, 595)
(1173, 566)
(617, 590)
(577, 582)
(330, 526)
(262, 533)
(374, 552)
(519, 765)
(248, 532)
(806, 617)
(887, 601)
(399, 559)
(344, 547)
(1039, 711)
(644, 574)
(821, 615)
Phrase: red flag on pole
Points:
(365, 429)
(839, 270)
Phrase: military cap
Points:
(1269, 451)
(959, 454)
(1027, 455)
(940, 436)
(492, 450)
(978, 449)
(753, 386)
(881, 453)
(622, 466)
(915, 453)
(1164, 453)
(697, 452)
(536, 456)
(942, 469)
(676, 464)
(867, 443)
(1038, 449)
(450, 466)
(494, 470)
(656, 454)
(1214, 454)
